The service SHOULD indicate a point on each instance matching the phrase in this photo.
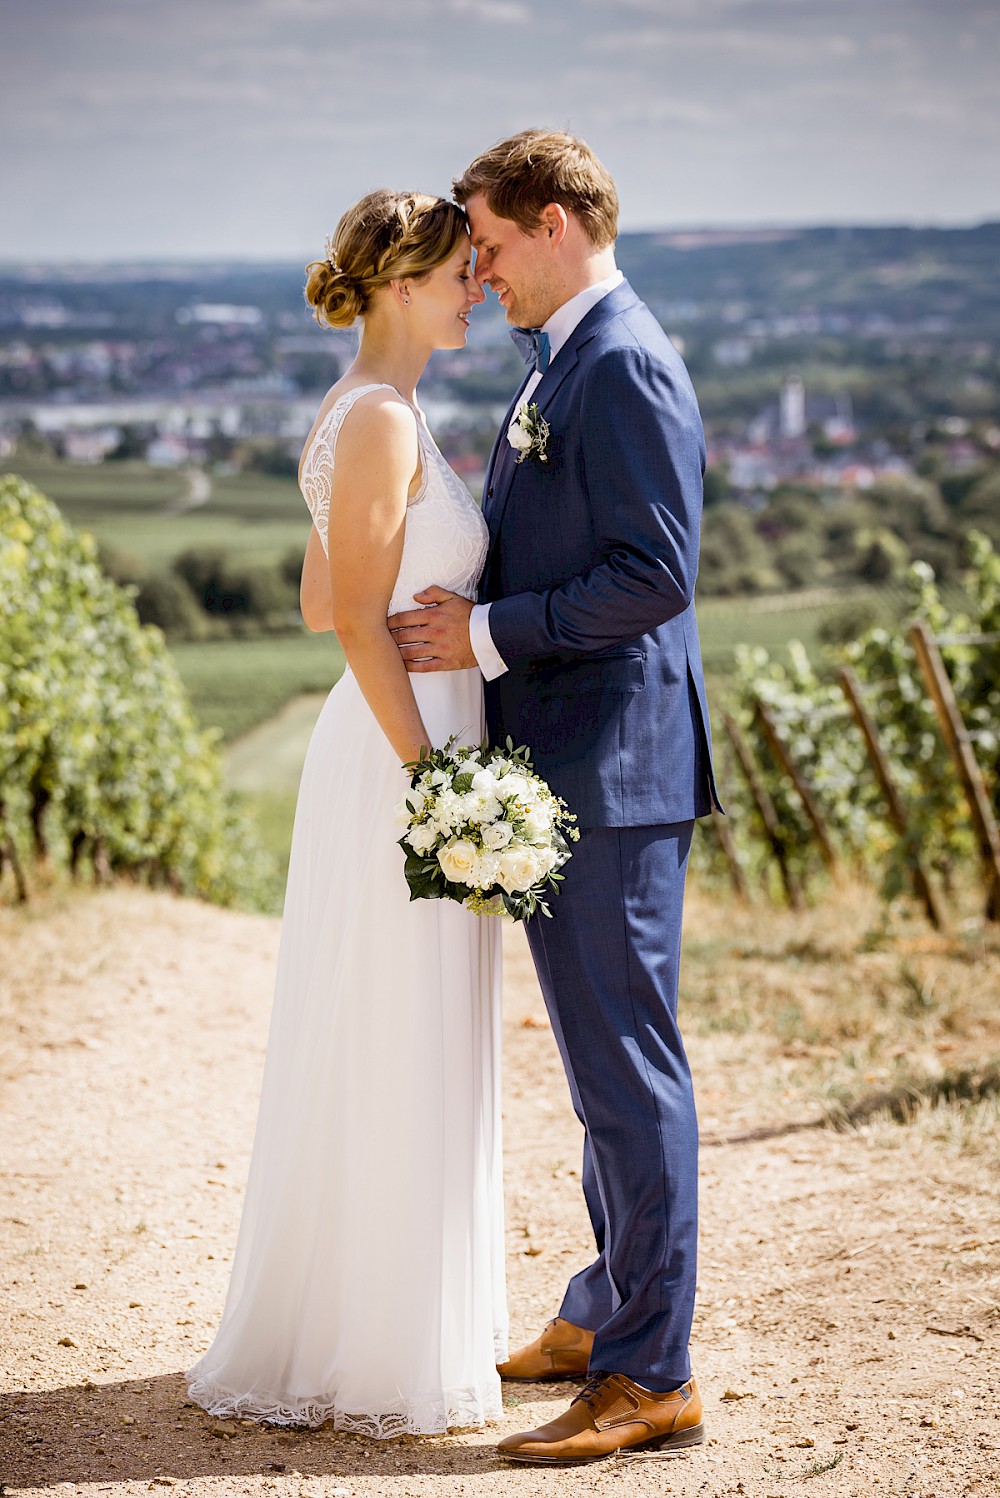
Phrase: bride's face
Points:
(440, 305)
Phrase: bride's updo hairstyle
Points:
(387, 236)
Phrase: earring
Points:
(406, 301)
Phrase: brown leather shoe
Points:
(612, 1414)
(562, 1351)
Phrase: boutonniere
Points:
(529, 434)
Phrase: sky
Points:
(164, 129)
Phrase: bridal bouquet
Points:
(482, 828)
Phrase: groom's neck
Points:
(580, 275)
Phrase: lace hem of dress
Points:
(431, 1415)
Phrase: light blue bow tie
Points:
(533, 346)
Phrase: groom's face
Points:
(520, 267)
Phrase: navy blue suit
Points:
(590, 576)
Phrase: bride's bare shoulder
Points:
(376, 399)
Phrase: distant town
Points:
(826, 358)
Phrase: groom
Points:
(586, 636)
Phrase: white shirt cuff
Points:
(488, 657)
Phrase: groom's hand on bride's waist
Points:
(435, 637)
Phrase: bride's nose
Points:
(476, 292)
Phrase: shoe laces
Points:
(594, 1386)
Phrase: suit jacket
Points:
(591, 573)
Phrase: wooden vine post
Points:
(784, 758)
(8, 854)
(956, 736)
(897, 812)
(765, 807)
(720, 827)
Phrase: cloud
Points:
(225, 122)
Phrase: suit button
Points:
(489, 492)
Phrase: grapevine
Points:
(809, 707)
(102, 763)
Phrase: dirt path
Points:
(846, 1339)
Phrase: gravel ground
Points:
(848, 1317)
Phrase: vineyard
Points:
(103, 769)
(882, 765)
(884, 769)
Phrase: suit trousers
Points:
(608, 964)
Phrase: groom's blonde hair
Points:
(520, 175)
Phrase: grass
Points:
(264, 766)
(772, 620)
(238, 683)
(133, 508)
(824, 1000)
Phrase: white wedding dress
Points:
(368, 1280)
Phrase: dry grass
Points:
(848, 1010)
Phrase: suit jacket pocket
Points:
(610, 673)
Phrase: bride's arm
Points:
(377, 457)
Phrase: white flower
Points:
(485, 782)
(512, 786)
(497, 836)
(537, 822)
(519, 868)
(528, 433)
(487, 870)
(459, 859)
(449, 813)
(422, 838)
(410, 804)
(481, 809)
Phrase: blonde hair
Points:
(520, 175)
(387, 236)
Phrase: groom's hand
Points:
(435, 638)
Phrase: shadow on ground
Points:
(147, 1430)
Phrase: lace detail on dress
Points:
(317, 469)
(456, 1409)
(446, 536)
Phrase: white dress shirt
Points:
(559, 327)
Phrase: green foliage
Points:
(813, 719)
(237, 683)
(101, 759)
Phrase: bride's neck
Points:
(388, 355)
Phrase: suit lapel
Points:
(503, 464)
(500, 447)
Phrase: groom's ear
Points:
(553, 222)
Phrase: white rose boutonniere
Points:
(528, 433)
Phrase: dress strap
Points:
(317, 467)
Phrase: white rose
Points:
(484, 782)
(458, 859)
(512, 785)
(518, 868)
(422, 838)
(517, 436)
(417, 801)
(497, 836)
(537, 822)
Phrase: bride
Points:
(368, 1278)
